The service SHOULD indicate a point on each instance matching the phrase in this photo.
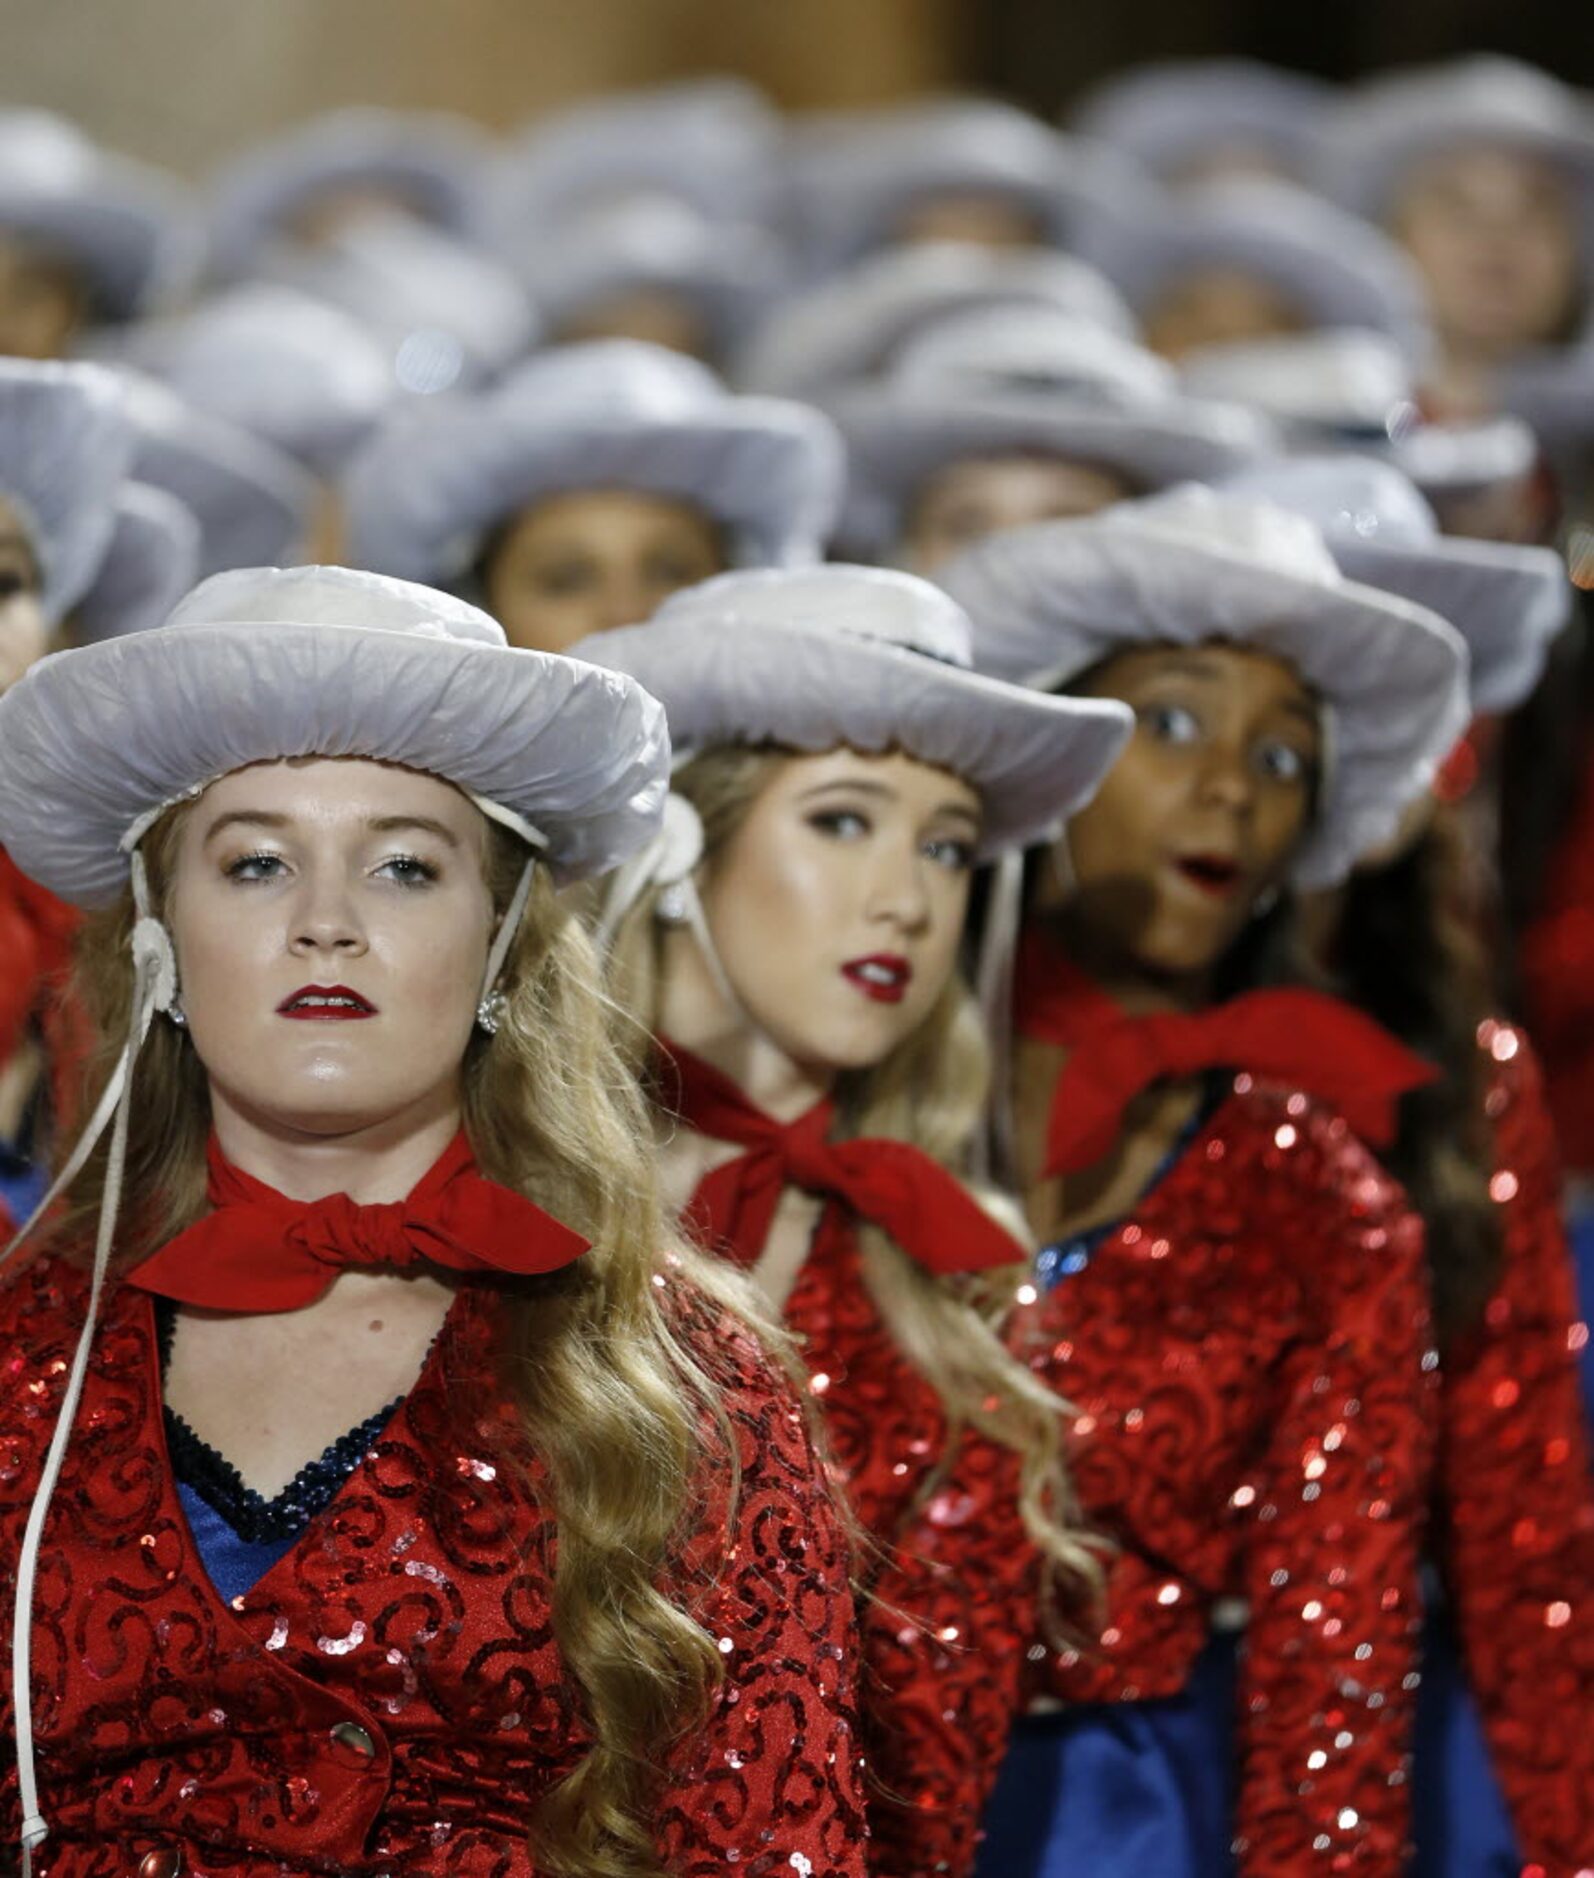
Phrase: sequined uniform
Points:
(954, 1598)
(389, 1697)
(1515, 1536)
(1248, 1355)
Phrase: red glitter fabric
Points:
(1557, 967)
(955, 1593)
(1516, 1531)
(390, 1696)
(1247, 1356)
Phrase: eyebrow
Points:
(882, 793)
(376, 824)
(1193, 665)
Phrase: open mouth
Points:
(1212, 873)
(882, 976)
(325, 1003)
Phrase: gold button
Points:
(349, 1735)
(165, 1863)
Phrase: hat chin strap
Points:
(154, 987)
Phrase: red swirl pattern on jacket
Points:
(1247, 1357)
(390, 1696)
(1515, 1537)
(955, 1589)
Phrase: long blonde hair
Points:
(931, 1091)
(629, 1438)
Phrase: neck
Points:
(374, 1163)
(1135, 987)
(1461, 388)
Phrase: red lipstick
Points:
(883, 976)
(325, 1004)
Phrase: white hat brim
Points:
(94, 739)
(897, 439)
(1391, 673)
(1034, 759)
(422, 497)
(135, 246)
(152, 561)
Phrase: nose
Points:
(324, 920)
(627, 598)
(1225, 779)
(898, 894)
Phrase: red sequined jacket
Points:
(1515, 1538)
(955, 1593)
(390, 1698)
(1247, 1356)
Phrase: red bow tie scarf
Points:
(1318, 1043)
(257, 1250)
(891, 1184)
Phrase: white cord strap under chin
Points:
(154, 982)
(508, 929)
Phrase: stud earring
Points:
(1264, 902)
(670, 909)
(176, 1013)
(490, 1012)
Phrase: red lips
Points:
(325, 1004)
(1216, 874)
(882, 976)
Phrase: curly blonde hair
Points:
(626, 1425)
(931, 1091)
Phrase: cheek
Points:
(773, 906)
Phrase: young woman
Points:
(821, 1082)
(382, 1519)
(1234, 1291)
(1511, 1639)
(589, 485)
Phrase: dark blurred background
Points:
(185, 82)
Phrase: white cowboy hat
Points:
(128, 227)
(1193, 565)
(1507, 602)
(264, 663)
(430, 159)
(304, 376)
(65, 446)
(1171, 115)
(1025, 379)
(851, 327)
(874, 659)
(610, 414)
(152, 561)
(253, 503)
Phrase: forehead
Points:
(356, 789)
(1259, 676)
(1020, 473)
(606, 518)
(1492, 166)
(890, 774)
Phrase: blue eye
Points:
(1171, 723)
(256, 867)
(956, 855)
(840, 824)
(408, 870)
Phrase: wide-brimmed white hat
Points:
(728, 273)
(431, 160)
(1334, 269)
(152, 561)
(611, 414)
(65, 446)
(1508, 602)
(1170, 116)
(254, 504)
(813, 658)
(1389, 123)
(130, 228)
(444, 313)
(299, 373)
(1027, 380)
(265, 663)
(851, 176)
(1192, 566)
(1357, 390)
(710, 144)
(851, 328)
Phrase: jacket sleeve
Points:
(1517, 1507)
(773, 1783)
(945, 1635)
(1332, 1521)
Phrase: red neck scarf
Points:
(1320, 1044)
(260, 1251)
(893, 1185)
